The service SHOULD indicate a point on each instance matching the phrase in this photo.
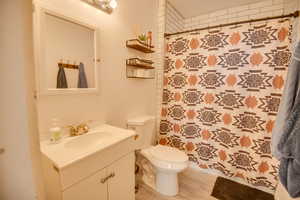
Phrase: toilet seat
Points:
(166, 158)
(169, 154)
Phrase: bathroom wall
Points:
(162, 18)
(264, 8)
(119, 98)
(19, 164)
(174, 20)
(257, 10)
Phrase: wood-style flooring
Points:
(191, 187)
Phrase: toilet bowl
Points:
(168, 162)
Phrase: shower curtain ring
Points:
(214, 30)
(235, 25)
(220, 27)
(251, 23)
(267, 20)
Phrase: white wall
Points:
(119, 97)
(174, 20)
(266, 8)
(162, 20)
(18, 125)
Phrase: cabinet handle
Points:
(103, 180)
(111, 175)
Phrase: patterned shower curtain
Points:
(222, 90)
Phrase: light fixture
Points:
(113, 4)
(105, 5)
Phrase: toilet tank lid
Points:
(139, 121)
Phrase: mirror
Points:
(67, 55)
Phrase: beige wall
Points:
(18, 125)
(119, 98)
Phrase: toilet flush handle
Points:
(133, 128)
(136, 137)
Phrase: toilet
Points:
(167, 161)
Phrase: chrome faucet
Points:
(80, 129)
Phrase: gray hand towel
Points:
(287, 102)
(289, 143)
(61, 78)
(289, 147)
(82, 81)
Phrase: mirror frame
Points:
(39, 26)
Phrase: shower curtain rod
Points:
(294, 14)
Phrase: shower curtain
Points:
(222, 90)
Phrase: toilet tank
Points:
(145, 129)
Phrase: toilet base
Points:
(166, 183)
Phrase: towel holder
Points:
(67, 65)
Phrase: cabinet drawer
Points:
(91, 164)
(91, 188)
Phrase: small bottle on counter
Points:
(55, 132)
(149, 39)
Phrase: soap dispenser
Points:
(55, 131)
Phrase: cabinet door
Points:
(91, 188)
(121, 185)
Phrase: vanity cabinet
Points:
(114, 182)
(103, 172)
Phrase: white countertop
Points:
(72, 149)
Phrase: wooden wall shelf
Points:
(137, 77)
(141, 63)
(141, 66)
(140, 46)
(139, 72)
(138, 68)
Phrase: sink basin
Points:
(89, 140)
(71, 150)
